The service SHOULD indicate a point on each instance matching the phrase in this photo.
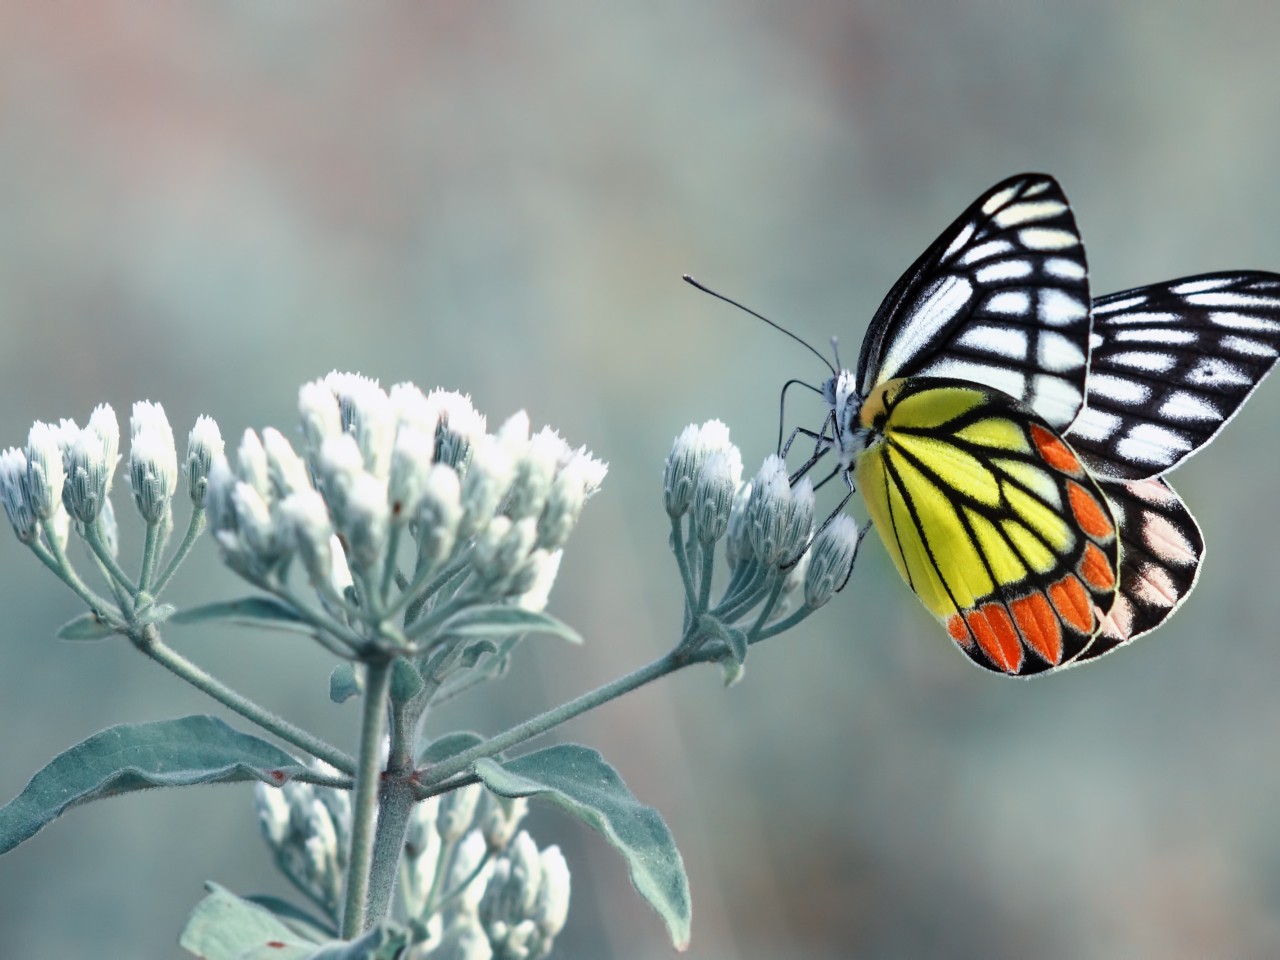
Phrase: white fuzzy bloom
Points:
(321, 418)
(552, 908)
(459, 426)
(367, 414)
(285, 468)
(412, 410)
(411, 462)
(153, 460)
(799, 519)
(717, 481)
(46, 474)
(364, 520)
(338, 465)
(439, 513)
(104, 426)
(252, 466)
(466, 857)
(487, 480)
(543, 565)
(501, 549)
(535, 470)
(89, 467)
(254, 523)
(688, 453)
(737, 545)
(514, 434)
(456, 812)
(769, 511)
(310, 532)
(273, 813)
(204, 445)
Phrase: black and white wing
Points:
(1001, 298)
(1169, 365)
(1161, 548)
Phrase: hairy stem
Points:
(365, 801)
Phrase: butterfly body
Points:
(1008, 433)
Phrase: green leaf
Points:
(406, 682)
(579, 780)
(447, 746)
(156, 613)
(301, 922)
(138, 756)
(496, 620)
(87, 626)
(343, 683)
(259, 611)
(226, 927)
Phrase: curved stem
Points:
(365, 801)
(93, 537)
(194, 528)
(150, 551)
(149, 642)
(540, 724)
(678, 548)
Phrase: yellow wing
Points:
(991, 519)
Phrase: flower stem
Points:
(365, 805)
(194, 528)
(540, 724)
(149, 642)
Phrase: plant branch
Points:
(365, 801)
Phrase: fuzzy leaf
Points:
(343, 683)
(87, 626)
(225, 927)
(138, 756)
(447, 746)
(260, 611)
(496, 620)
(577, 779)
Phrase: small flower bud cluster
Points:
(767, 528)
(495, 894)
(308, 829)
(62, 481)
(378, 464)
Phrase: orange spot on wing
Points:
(1096, 568)
(996, 636)
(1039, 625)
(1072, 603)
(959, 632)
(1089, 513)
(1054, 451)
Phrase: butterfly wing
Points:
(991, 520)
(1000, 298)
(1160, 554)
(1170, 365)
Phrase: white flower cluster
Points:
(308, 829)
(65, 473)
(472, 884)
(377, 466)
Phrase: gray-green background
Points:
(206, 205)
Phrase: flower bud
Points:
(89, 465)
(252, 465)
(534, 580)
(364, 520)
(367, 415)
(535, 470)
(689, 452)
(737, 545)
(153, 461)
(713, 492)
(830, 559)
(439, 512)
(411, 461)
(769, 511)
(104, 426)
(321, 418)
(338, 464)
(457, 811)
(799, 520)
(14, 495)
(204, 445)
(458, 428)
(486, 482)
(285, 468)
(45, 471)
(310, 532)
(552, 907)
(501, 549)
(411, 409)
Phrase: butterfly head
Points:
(845, 415)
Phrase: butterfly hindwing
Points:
(991, 519)
(1161, 550)
(1000, 298)
(1170, 365)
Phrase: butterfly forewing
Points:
(1160, 552)
(1000, 298)
(991, 520)
(1170, 364)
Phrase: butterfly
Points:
(1010, 435)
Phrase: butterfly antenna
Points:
(720, 296)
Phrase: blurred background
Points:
(206, 205)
